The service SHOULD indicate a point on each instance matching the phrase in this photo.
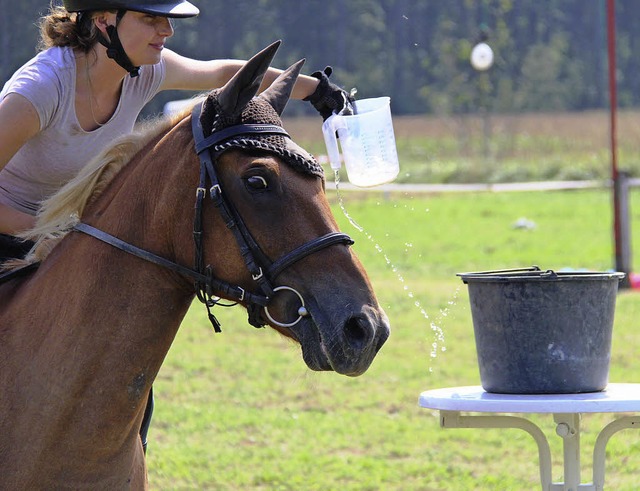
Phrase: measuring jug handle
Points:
(329, 128)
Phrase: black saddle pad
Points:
(9, 275)
(13, 248)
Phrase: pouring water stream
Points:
(439, 341)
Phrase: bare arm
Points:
(13, 221)
(187, 74)
(19, 122)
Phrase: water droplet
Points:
(341, 202)
(437, 331)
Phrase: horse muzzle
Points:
(347, 347)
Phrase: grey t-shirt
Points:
(61, 148)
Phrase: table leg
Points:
(599, 450)
(568, 427)
(453, 419)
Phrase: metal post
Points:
(482, 60)
(622, 245)
(568, 427)
(623, 249)
(486, 122)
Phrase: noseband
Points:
(210, 290)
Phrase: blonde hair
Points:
(62, 28)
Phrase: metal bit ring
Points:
(302, 311)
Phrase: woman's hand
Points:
(328, 97)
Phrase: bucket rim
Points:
(536, 274)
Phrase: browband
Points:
(239, 129)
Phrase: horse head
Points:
(317, 291)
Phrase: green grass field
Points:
(240, 410)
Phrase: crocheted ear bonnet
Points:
(236, 104)
(257, 111)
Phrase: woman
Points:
(104, 60)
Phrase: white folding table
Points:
(566, 409)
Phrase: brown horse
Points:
(83, 337)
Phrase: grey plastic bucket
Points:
(542, 332)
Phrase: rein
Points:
(209, 290)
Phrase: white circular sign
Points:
(481, 56)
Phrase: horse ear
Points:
(279, 92)
(244, 85)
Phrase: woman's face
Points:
(143, 36)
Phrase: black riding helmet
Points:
(164, 8)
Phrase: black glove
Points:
(328, 97)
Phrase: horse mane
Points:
(60, 212)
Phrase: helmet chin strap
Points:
(115, 50)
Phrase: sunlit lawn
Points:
(240, 411)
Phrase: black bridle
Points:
(210, 290)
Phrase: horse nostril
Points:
(358, 332)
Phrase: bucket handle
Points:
(531, 269)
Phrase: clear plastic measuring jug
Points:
(367, 141)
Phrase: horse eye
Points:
(256, 182)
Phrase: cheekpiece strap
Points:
(248, 247)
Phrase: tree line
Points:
(550, 55)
